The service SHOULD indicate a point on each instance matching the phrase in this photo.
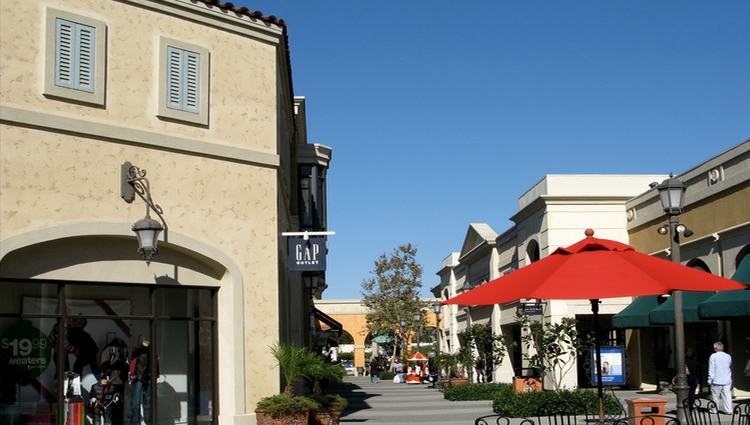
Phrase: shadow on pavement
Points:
(356, 397)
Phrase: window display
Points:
(100, 346)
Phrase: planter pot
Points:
(330, 416)
(264, 418)
(454, 382)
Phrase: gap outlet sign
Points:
(307, 255)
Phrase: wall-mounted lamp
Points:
(133, 181)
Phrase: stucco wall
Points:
(726, 210)
(242, 82)
(51, 179)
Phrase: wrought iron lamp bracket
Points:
(133, 182)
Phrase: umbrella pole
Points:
(597, 345)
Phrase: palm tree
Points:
(294, 362)
(320, 369)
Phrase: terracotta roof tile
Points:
(242, 10)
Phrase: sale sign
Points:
(26, 347)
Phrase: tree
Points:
(391, 293)
(479, 338)
(552, 347)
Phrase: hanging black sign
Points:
(307, 255)
(532, 309)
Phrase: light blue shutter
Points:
(192, 82)
(74, 55)
(183, 80)
(64, 53)
(85, 42)
(174, 78)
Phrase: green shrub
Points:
(508, 403)
(330, 400)
(386, 376)
(475, 392)
(282, 404)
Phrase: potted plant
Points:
(287, 409)
(330, 406)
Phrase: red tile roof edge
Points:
(244, 11)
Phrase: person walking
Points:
(720, 378)
(374, 371)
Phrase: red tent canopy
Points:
(417, 357)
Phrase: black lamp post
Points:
(436, 308)
(403, 322)
(418, 325)
(672, 196)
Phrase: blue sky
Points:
(441, 113)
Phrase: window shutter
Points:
(85, 42)
(192, 82)
(64, 53)
(174, 78)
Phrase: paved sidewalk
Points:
(401, 404)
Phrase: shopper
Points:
(374, 371)
(720, 378)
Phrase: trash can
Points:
(640, 407)
(360, 371)
(527, 380)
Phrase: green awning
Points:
(664, 314)
(727, 304)
(636, 314)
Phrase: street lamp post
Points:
(403, 322)
(418, 325)
(672, 196)
(436, 308)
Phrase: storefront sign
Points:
(532, 309)
(26, 348)
(613, 366)
(307, 255)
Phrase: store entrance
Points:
(106, 353)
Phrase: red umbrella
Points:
(592, 269)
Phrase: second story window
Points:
(183, 83)
(75, 57)
(183, 80)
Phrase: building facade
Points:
(717, 213)
(198, 95)
(553, 213)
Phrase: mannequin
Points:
(103, 399)
(140, 377)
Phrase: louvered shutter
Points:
(85, 42)
(64, 53)
(174, 78)
(74, 55)
(183, 80)
(192, 82)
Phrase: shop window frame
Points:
(154, 318)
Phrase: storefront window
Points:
(116, 360)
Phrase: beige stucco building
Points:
(717, 212)
(200, 95)
(553, 213)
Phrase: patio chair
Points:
(558, 413)
(647, 420)
(741, 413)
(500, 420)
(702, 412)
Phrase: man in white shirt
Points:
(720, 378)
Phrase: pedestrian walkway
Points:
(402, 404)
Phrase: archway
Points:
(92, 257)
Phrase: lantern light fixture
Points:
(133, 182)
(672, 195)
(436, 308)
